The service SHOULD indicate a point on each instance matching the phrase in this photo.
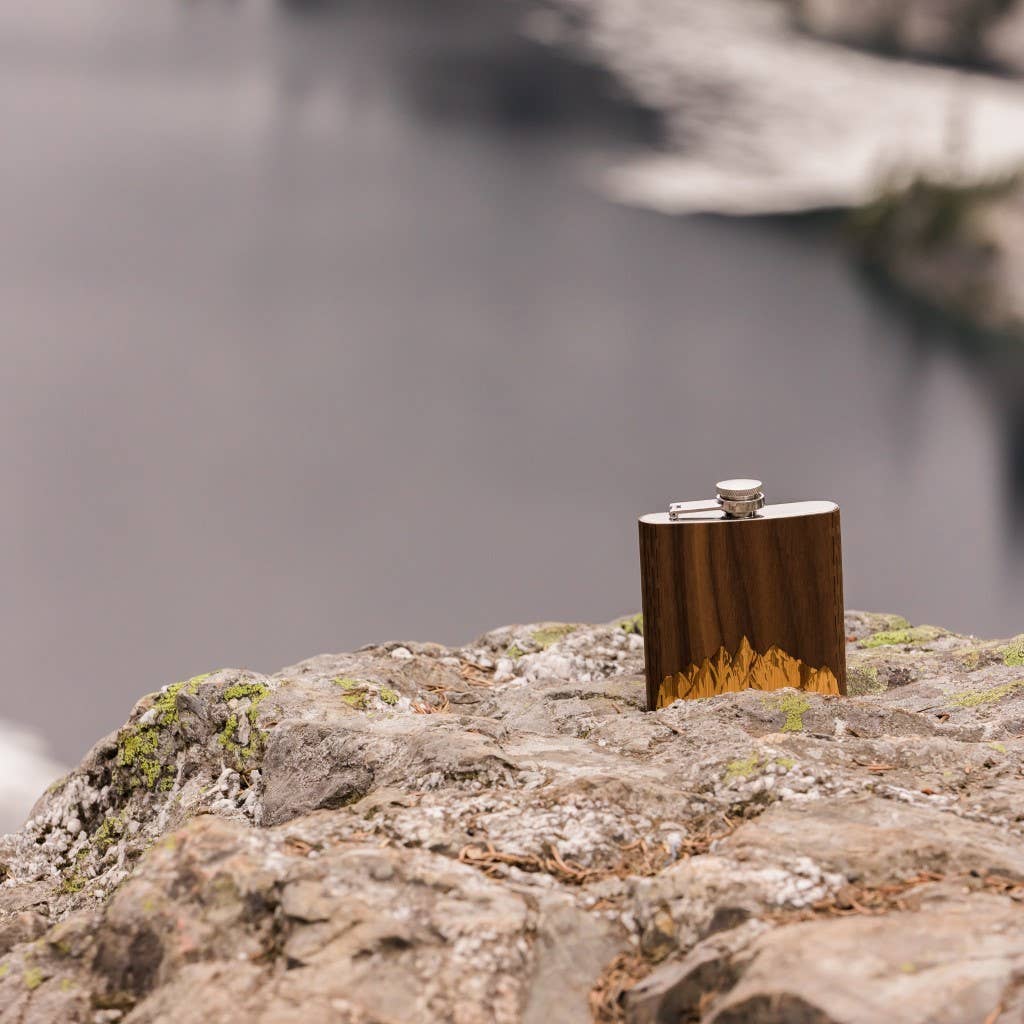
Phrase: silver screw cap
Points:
(739, 490)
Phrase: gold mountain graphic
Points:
(745, 670)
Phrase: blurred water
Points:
(314, 335)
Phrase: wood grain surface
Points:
(715, 583)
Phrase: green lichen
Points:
(515, 652)
(633, 624)
(740, 769)
(999, 748)
(66, 984)
(864, 679)
(356, 693)
(911, 635)
(549, 635)
(32, 978)
(389, 696)
(167, 706)
(255, 693)
(785, 762)
(166, 702)
(138, 745)
(5, 969)
(795, 705)
(75, 880)
(226, 736)
(136, 751)
(897, 622)
(1013, 652)
(974, 698)
(970, 659)
(109, 832)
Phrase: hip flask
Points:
(738, 594)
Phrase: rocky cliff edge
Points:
(499, 833)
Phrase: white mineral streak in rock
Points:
(762, 119)
(26, 769)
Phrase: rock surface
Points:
(500, 833)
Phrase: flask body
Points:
(731, 604)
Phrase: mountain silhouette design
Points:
(745, 670)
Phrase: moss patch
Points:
(32, 978)
(389, 696)
(974, 698)
(911, 635)
(549, 635)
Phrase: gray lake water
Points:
(315, 334)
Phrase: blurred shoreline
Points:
(783, 107)
(26, 769)
(762, 118)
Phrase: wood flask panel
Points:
(735, 603)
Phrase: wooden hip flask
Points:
(741, 595)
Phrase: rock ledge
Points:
(499, 833)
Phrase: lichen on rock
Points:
(479, 837)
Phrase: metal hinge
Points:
(738, 499)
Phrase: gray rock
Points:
(426, 839)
